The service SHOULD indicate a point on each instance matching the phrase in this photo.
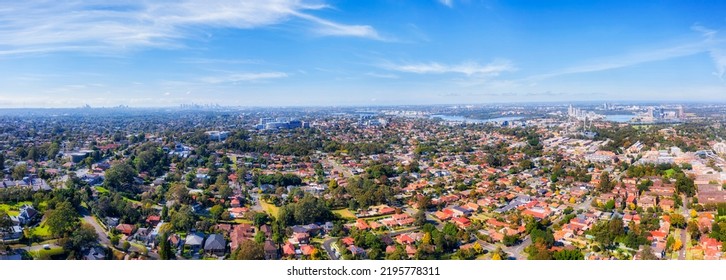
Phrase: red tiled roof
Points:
(288, 249)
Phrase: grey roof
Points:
(194, 239)
(215, 242)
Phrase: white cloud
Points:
(94, 26)
(329, 28)
(711, 44)
(243, 77)
(448, 3)
(466, 68)
(381, 75)
(627, 60)
(716, 48)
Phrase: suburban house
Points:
(194, 241)
(288, 249)
(271, 251)
(215, 244)
(240, 233)
(15, 233)
(126, 229)
(28, 215)
(95, 253)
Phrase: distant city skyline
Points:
(359, 53)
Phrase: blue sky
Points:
(300, 52)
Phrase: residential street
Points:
(684, 235)
(327, 245)
(89, 219)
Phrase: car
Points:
(46, 246)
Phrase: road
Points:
(341, 169)
(257, 207)
(102, 236)
(327, 245)
(584, 205)
(516, 252)
(684, 236)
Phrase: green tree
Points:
(260, 237)
(6, 224)
(260, 219)
(693, 230)
(120, 177)
(685, 185)
(114, 238)
(82, 238)
(165, 252)
(420, 217)
(539, 251)
(574, 254)
(63, 220)
(19, 171)
(179, 193)
(183, 219)
(499, 254)
(216, 211)
(225, 191)
(647, 253)
(605, 185)
(249, 250)
(677, 220)
(165, 213)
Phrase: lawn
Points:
(13, 209)
(131, 200)
(101, 190)
(242, 221)
(44, 254)
(7, 208)
(42, 231)
(345, 214)
(270, 208)
(139, 248)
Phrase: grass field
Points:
(101, 190)
(270, 208)
(46, 254)
(6, 208)
(242, 221)
(131, 200)
(345, 214)
(13, 209)
(42, 231)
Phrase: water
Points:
(451, 118)
(619, 118)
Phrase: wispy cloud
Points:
(329, 28)
(710, 43)
(627, 60)
(219, 61)
(381, 75)
(48, 26)
(716, 48)
(466, 68)
(243, 77)
(448, 3)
